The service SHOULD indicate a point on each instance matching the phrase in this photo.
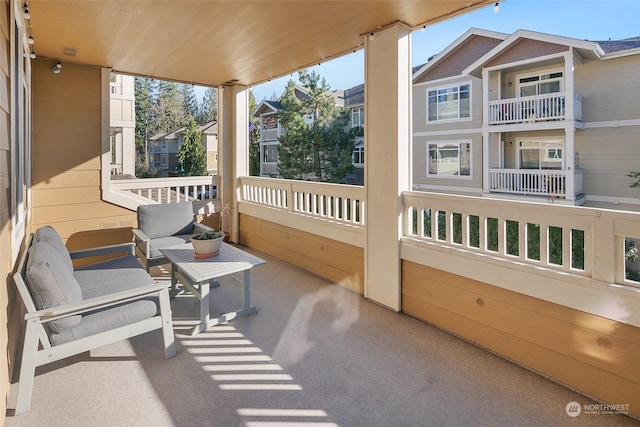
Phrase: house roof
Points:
(225, 42)
(210, 128)
(615, 46)
(585, 48)
(354, 96)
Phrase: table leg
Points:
(174, 281)
(204, 309)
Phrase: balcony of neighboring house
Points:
(533, 109)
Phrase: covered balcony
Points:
(532, 109)
(355, 275)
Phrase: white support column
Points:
(486, 163)
(387, 159)
(233, 148)
(570, 130)
(486, 141)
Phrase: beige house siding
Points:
(67, 149)
(609, 89)
(526, 49)
(6, 292)
(455, 130)
(606, 156)
(460, 58)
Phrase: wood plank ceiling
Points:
(216, 42)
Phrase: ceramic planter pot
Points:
(206, 245)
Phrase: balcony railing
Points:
(169, 190)
(534, 182)
(332, 210)
(271, 134)
(531, 109)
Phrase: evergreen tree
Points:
(168, 107)
(189, 101)
(191, 154)
(208, 110)
(145, 123)
(315, 144)
(254, 138)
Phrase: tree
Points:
(208, 110)
(254, 138)
(191, 154)
(168, 107)
(145, 123)
(315, 144)
(189, 102)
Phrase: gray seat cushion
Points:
(51, 283)
(107, 319)
(166, 219)
(114, 275)
(51, 236)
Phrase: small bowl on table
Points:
(207, 244)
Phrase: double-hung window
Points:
(449, 159)
(357, 117)
(358, 152)
(449, 103)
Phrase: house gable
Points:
(459, 58)
(525, 49)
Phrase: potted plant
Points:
(207, 244)
(225, 211)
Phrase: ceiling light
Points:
(31, 40)
(496, 8)
(56, 68)
(26, 15)
(33, 55)
(372, 36)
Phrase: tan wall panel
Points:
(554, 340)
(67, 147)
(43, 179)
(333, 260)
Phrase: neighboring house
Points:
(163, 149)
(271, 129)
(122, 125)
(529, 116)
(354, 101)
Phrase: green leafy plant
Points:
(208, 235)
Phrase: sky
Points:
(581, 19)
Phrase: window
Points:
(358, 154)
(449, 103)
(541, 84)
(357, 117)
(269, 121)
(270, 153)
(20, 131)
(449, 159)
(540, 154)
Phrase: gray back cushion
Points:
(51, 236)
(165, 219)
(51, 283)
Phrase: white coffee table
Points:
(196, 274)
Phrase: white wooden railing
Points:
(535, 108)
(169, 190)
(534, 182)
(578, 241)
(335, 211)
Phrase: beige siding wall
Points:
(67, 149)
(460, 58)
(336, 261)
(609, 89)
(6, 291)
(606, 156)
(526, 49)
(595, 355)
(470, 130)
